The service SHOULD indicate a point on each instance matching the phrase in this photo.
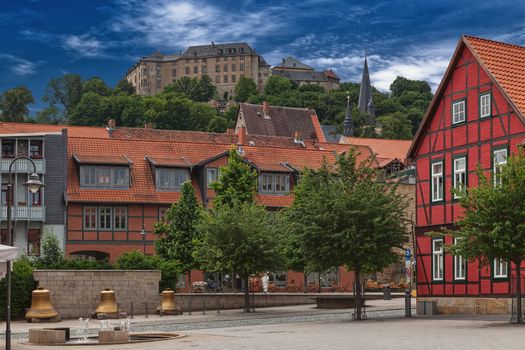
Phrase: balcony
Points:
(24, 213)
(23, 166)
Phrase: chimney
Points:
(112, 124)
(241, 136)
(266, 109)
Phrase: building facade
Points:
(225, 64)
(303, 74)
(475, 119)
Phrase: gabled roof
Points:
(331, 74)
(281, 121)
(382, 148)
(310, 76)
(503, 63)
(292, 63)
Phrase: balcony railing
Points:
(23, 166)
(20, 213)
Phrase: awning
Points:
(8, 252)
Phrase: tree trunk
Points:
(358, 303)
(319, 282)
(246, 293)
(305, 282)
(518, 290)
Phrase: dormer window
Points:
(274, 183)
(96, 176)
(170, 179)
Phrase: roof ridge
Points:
(493, 41)
(271, 106)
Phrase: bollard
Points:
(204, 305)
(189, 306)
(387, 295)
(408, 303)
(131, 310)
(218, 306)
(146, 310)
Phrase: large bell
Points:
(108, 304)
(41, 307)
(168, 306)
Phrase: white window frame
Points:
(173, 178)
(122, 214)
(485, 105)
(500, 268)
(458, 112)
(460, 174)
(437, 260)
(211, 178)
(102, 211)
(496, 166)
(460, 266)
(93, 218)
(437, 181)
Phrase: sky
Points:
(42, 39)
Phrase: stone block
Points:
(47, 336)
(109, 337)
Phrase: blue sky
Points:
(41, 39)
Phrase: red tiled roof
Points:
(503, 63)
(170, 162)
(73, 131)
(330, 73)
(382, 148)
(270, 200)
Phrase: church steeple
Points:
(366, 104)
(348, 123)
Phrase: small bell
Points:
(168, 305)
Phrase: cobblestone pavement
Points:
(382, 333)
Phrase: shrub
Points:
(51, 254)
(22, 284)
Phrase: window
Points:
(241, 67)
(104, 218)
(195, 70)
(437, 259)
(460, 266)
(8, 148)
(90, 218)
(171, 178)
(120, 218)
(278, 278)
(158, 84)
(217, 79)
(225, 79)
(144, 71)
(460, 173)
(187, 70)
(212, 176)
(458, 112)
(499, 159)
(500, 268)
(203, 69)
(234, 78)
(174, 72)
(485, 109)
(278, 183)
(234, 68)
(163, 212)
(33, 242)
(35, 149)
(217, 68)
(104, 176)
(225, 68)
(437, 182)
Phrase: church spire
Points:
(348, 123)
(365, 92)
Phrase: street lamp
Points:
(33, 185)
(143, 234)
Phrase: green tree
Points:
(51, 254)
(401, 85)
(65, 91)
(219, 124)
(97, 86)
(125, 86)
(346, 216)
(48, 115)
(276, 85)
(199, 90)
(245, 88)
(92, 110)
(14, 102)
(492, 227)
(395, 126)
(238, 238)
(237, 182)
(178, 234)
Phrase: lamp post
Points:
(143, 234)
(34, 184)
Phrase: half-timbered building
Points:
(476, 118)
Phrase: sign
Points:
(407, 254)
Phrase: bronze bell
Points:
(108, 304)
(168, 301)
(41, 307)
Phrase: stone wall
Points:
(471, 305)
(75, 293)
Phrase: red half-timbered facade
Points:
(476, 118)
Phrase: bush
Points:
(51, 254)
(22, 284)
(83, 264)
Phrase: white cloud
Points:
(18, 65)
(170, 25)
(83, 45)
